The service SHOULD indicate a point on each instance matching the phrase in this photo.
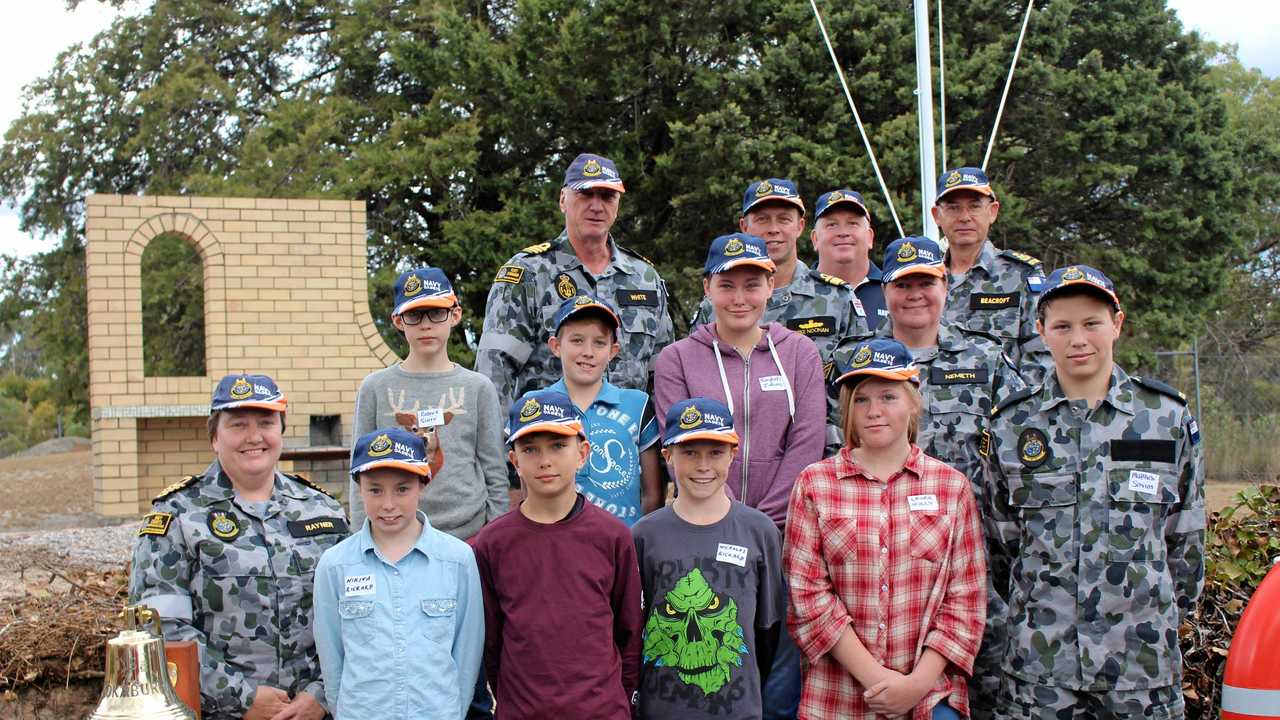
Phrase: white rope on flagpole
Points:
(942, 90)
(857, 118)
(1007, 83)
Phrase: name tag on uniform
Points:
(922, 503)
(734, 554)
(647, 298)
(992, 301)
(957, 376)
(770, 383)
(317, 526)
(431, 417)
(1143, 482)
(819, 326)
(357, 585)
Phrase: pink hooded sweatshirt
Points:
(778, 399)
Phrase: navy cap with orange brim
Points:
(245, 391)
(395, 448)
(882, 357)
(698, 418)
(543, 411)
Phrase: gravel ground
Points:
(98, 547)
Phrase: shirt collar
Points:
(618, 262)
(1119, 392)
(609, 393)
(426, 543)
(801, 281)
(874, 273)
(848, 468)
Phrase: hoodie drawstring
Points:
(791, 398)
(724, 380)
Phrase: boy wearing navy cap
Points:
(561, 587)
(399, 609)
(429, 393)
(1095, 492)
(622, 472)
(710, 568)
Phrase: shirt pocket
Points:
(1046, 504)
(438, 619)
(840, 539)
(1140, 496)
(639, 339)
(930, 536)
(357, 619)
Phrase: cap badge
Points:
(241, 389)
(591, 168)
(380, 446)
(1033, 447)
(224, 526)
(413, 285)
(953, 179)
(582, 300)
(690, 418)
(1073, 273)
(532, 409)
(862, 358)
(734, 247)
(566, 287)
(764, 188)
(907, 252)
(835, 196)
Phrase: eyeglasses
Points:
(955, 208)
(436, 315)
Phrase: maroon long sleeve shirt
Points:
(562, 615)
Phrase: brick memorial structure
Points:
(285, 293)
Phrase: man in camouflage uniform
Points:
(1096, 504)
(227, 559)
(529, 288)
(821, 307)
(991, 290)
(964, 373)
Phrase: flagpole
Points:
(924, 100)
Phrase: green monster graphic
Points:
(695, 631)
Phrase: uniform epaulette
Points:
(1159, 387)
(183, 483)
(303, 479)
(629, 251)
(1015, 398)
(1022, 257)
(537, 249)
(830, 279)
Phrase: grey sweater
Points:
(471, 488)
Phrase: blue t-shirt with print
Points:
(620, 425)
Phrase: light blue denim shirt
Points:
(399, 640)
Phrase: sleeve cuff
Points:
(822, 639)
(950, 649)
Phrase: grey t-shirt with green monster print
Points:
(713, 602)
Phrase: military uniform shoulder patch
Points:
(509, 274)
(631, 252)
(537, 249)
(1014, 399)
(1160, 387)
(831, 279)
(304, 480)
(156, 523)
(185, 482)
(1022, 257)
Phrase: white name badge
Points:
(357, 585)
(1144, 482)
(922, 503)
(431, 417)
(772, 382)
(734, 554)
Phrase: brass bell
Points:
(136, 684)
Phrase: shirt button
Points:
(881, 626)
(884, 550)
(884, 588)
(884, 516)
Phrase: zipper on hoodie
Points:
(746, 422)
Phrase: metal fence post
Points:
(1195, 370)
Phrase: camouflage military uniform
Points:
(821, 307)
(527, 292)
(1098, 516)
(998, 297)
(236, 577)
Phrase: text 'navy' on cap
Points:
(543, 411)
(882, 357)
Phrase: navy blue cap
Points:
(1080, 276)
(590, 171)
(698, 418)
(882, 357)
(843, 196)
(588, 304)
(391, 447)
(247, 391)
(771, 189)
(735, 249)
(964, 178)
(424, 287)
(543, 411)
(910, 256)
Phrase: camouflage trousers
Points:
(1021, 699)
(988, 671)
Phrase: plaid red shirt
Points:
(904, 579)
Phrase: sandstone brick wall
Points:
(284, 293)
